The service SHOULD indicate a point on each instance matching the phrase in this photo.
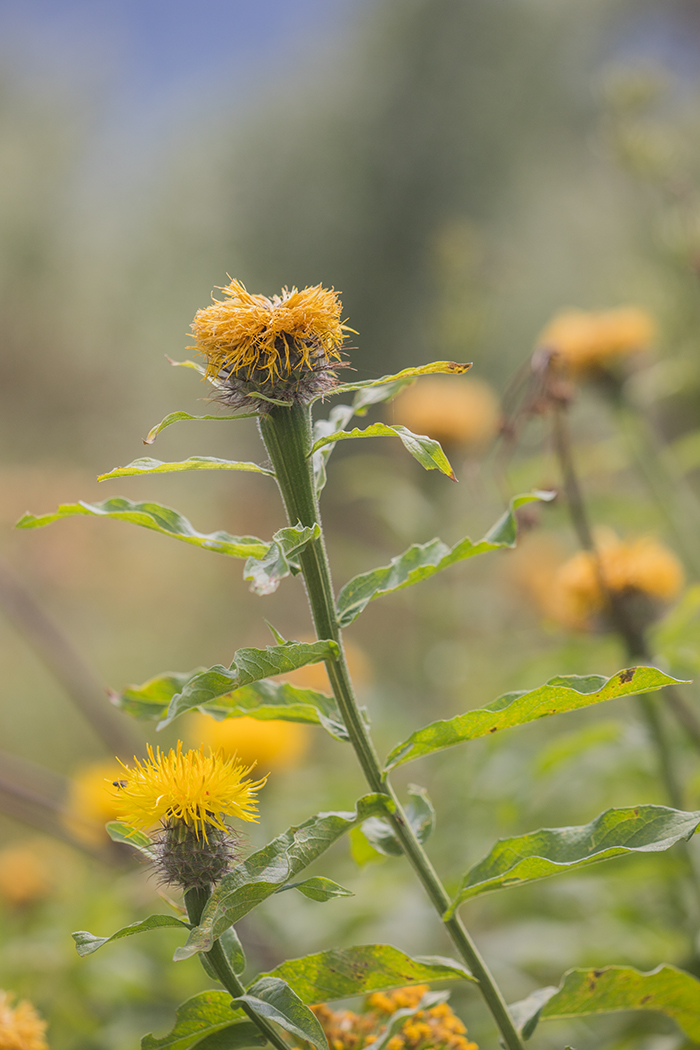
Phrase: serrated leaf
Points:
(233, 950)
(428, 452)
(557, 696)
(86, 943)
(423, 560)
(203, 1014)
(156, 517)
(263, 872)
(247, 666)
(344, 972)
(420, 814)
(273, 999)
(119, 832)
(318, 889)
(582, 992)
(179, 417)
(435, 367)
(279, 560)
(151, 700)
(145, 465)
(551, 851)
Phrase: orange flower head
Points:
(451, 410)
(586, 342)
(21, 1028)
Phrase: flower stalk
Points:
(287, 434)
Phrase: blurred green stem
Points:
(287, 436)
(195, 901)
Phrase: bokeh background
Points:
(460, 170)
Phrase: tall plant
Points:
(275, 358)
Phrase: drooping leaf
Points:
(318, 889)
(86, 943)
(338, 419)
(178, 417)
(150, 700)
(448, 367)
(666, 989)
(248, 666)
(273, 999)
(233, 950)
(425, 559)
(428, 452)
(550, 851)
(263, 872)
(119, 832)
(558, 695)
(279, 559)
(420, 814)
(375, 395)
(153, 516)
(145, 465)
(200, 1016)
(344, 972)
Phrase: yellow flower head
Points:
(91, 803)
(451, 410)
(24, 876)
(21, 1028)
(642, 569)
(194, 789)
(588, 341)
(275, 745)
(283, 347)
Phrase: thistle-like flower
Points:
(189, 793)
(284, 347)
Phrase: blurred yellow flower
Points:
(314, 676)
(273, 745)
(586, 341)
(24, 876)
(21, 1028)
(191, 788)
(90, 803)
(641, 567)
(437, 1028)
(450, 410)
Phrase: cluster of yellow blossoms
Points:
(21, 1028)
(436, 1028)
(588, 341)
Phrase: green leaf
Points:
(233, 950)
(318, 889)
(427, 451)
(151, 700)
(263, 872)
(153, 516)
(375, 395)
(145, 465)
(119, 832)
(449, 367)
(203, 1014)
(178, 417)
(279, 560)
(248, 666)
(558, 695)
(235, 1037)
(344, 972)
(86, 943)
(338, 419)
(420, 814)
(666, 989)
(273, 999)
(549, 851)
(425, 559)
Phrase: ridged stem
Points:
(195, 900)
(287, 436)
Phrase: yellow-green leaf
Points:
(428, 452)
(146, 465)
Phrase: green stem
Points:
(287, 436)
(195, 900)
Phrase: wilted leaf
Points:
(86, 943)
(178, 417)
(449, 367)
(248, 666)
(279, 559)
(558, 695)
(428, 452)
(153, 516)
(200, 1016)
(273, 999)
(423, 560)
(263, 872)
(344, 972)
(232, 949)
(145, 465)
(551, 851)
